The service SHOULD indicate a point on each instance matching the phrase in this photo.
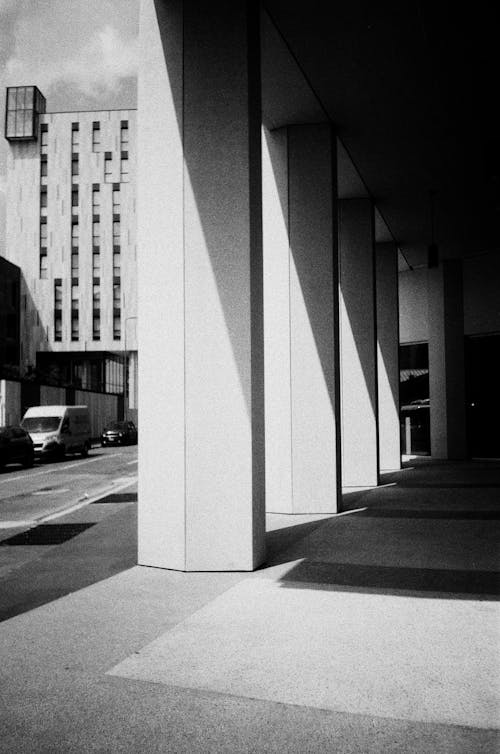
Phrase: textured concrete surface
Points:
(399, 624)
(428, 660)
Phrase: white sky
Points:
(82, 55)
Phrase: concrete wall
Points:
(481, 278)
(301, 335)
(388, 355)
(481, 285)
(102, 408)
(358, 355)
(52, 396)
(10, 402)
(201, 464)
(413, 306)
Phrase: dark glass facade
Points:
(10, 306)
(24, 105)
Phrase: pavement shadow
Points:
(68, 557)
(432, 532)
(423, 582)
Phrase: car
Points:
(16, 446)
(57, 430)
(119, 433)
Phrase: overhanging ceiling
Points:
(411, 89)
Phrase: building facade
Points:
(70, 227)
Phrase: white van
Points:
(57, 430)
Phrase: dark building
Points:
(10, 307)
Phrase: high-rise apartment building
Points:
(70, 227)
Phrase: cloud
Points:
(94, 68)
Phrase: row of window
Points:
(75, 248)
(96, 136)
(96, 310)
(75, 228)
(96, 264)
(108, 166)
(96, 197)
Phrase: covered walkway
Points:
(372, 630)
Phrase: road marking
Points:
(53, 470)
(83, 503)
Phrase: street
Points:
(45, 513)
(30, 496)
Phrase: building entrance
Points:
(482, 359)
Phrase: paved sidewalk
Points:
(376, 630)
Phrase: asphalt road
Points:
(31, 496)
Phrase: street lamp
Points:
(126, 385)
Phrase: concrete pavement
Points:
(376, 630)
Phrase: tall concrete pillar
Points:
(358, 359)
(201, 403)
(386, 262)
(301, 320)
(446, 361)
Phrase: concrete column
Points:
(386, 261)
(446, 361)
(300, 320)
(201, 404)
(358, 344)
(132, 380)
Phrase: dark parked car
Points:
(16, 446)
(119, 433)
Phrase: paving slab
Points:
(427, 660)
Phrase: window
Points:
(116, 264)
(44, 268)
(43, 231)
(75, 266)
(124, 167)
(116, 198)
(116, 232)
(43, 165)
(96, 199)
(74, 314)
(75, 334)
(124, 134)
(96, 313)
(96, 136)
(96, 264)
(43, 197)
(107, 167)
(75, 135)
(74, 165)
(116, 312)
(44, 135)
(58, 309)
(96, 232)
(24, 106)
(75, 232)
(74, 196)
